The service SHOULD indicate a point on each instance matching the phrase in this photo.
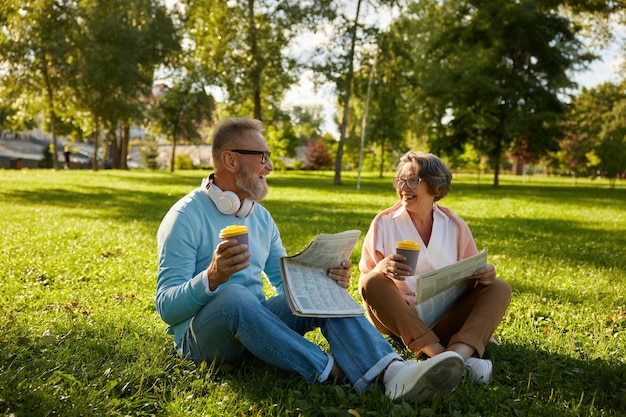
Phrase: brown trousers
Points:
(470, 321)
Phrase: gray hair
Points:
(230, 130)
(431, 170)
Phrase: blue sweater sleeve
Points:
(180, 291)
(272, 266)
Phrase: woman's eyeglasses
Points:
(412, 183)
(265, 155)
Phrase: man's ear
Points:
(230, 161)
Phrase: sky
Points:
(604, 70)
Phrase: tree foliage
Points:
(242, 46)
(499, 69)
(36, 59)
(119, 44)
(181, 111)
(489, 76)
(611, 150)
(583, 126)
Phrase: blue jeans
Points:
(235, 321)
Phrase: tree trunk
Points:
(519, 166)
(497, 159)
(124, 139)
(256, 65)
(346, 102)
(173, 156)
(114, 151)
(51, 115)
(94, 162)
(382, 159)
(55, 145)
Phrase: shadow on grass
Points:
(102, 202)
(104, 374)
(516, 236)
(527, 381)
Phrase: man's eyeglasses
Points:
(412, 183)
(265, 155)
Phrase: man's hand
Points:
(229, 257)
(341, 274)
(485, 275)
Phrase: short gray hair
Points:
(231, 129)
(431, 169)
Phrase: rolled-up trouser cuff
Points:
(326, 372)
(421, 342)
(379, 367)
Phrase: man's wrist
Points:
(206, 279)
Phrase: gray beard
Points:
(249, 183)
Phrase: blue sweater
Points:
(187, 238)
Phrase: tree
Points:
(336, 63)
(317, 155)
(499, 68)
(612, 147)
(120, 43)
(180, 112)
(347, 91)
(242, 46)
(307, 121)
(583, 125)
(389, 125)
(149, 152)
(36, 59)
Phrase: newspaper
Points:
(436, 291)
(308, 289)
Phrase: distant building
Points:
(199, 154)
(25, 150)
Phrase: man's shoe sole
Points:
(439, 376)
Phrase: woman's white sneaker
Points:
(479, 370)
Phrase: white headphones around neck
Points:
(227, 202)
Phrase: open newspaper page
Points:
(436, 291)
(308, 289)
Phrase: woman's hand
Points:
(485, 275)
(393, 267)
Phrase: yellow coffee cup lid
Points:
(408, 245)
(233, 230)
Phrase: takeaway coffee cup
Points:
(411, 250)
(235, 232)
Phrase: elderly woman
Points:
(388, 287)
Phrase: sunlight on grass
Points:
(79, 334)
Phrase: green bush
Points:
(149, 152)
(183, 161)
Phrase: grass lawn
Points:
(79, 334)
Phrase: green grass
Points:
(79, 334)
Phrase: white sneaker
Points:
(421, 381)
(479, 370)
